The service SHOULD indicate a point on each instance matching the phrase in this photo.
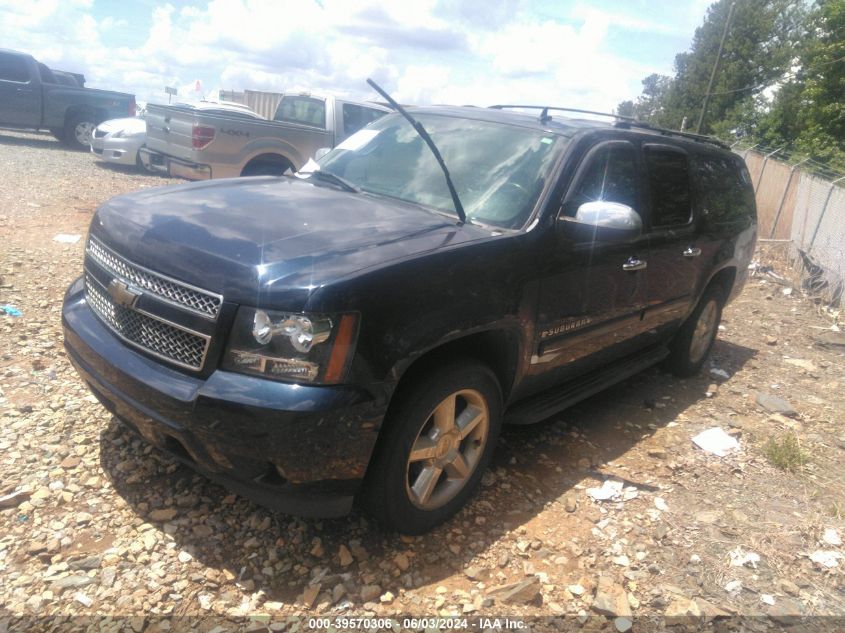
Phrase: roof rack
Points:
(544, 115)
(620, 121)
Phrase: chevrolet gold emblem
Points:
(126, 296)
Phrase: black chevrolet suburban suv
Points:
(363, 329)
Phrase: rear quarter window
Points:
(723, 188)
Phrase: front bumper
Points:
(121, 151)
(156, 161)
(298, 449)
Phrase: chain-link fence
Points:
(802, 203)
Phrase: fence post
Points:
(824, 209)
(763, 167)
(783, 197)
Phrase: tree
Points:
(761, 42)
(822, 117)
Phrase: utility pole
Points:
(715, 68)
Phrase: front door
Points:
(590, 307)
(19, 96)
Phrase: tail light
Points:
(201, 136)
(132, 106)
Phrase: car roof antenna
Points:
(459, 208)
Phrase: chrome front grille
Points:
(160, 338)
(178, 293)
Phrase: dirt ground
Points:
(95, 523)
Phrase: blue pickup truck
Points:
(32, 98)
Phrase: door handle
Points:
(634, 264)
(692, 251)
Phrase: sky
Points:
(577, 53)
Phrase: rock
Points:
(14, 499)
(503, 560)
(771, 340)
(658, 452)
(83, 599)
(309, 595)
(386, 598)
(622, 560)
(89, 562)
(345, 556)
(36, 547)
(74, 580)
(401, 561)
(575, 590)
(611, 599)
(317, 550)
(476, 573)
(570, 502)
(775, 404)
(185, 557)
(370, 593)
(163, 515)
(681, 610)
(522, 592)
(70, 462)
(83, 517)
(710, 611)
(786, 586)
(623, 625)
(786, 611)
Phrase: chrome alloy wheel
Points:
(705, 330)
(83, 131)
(447, 449)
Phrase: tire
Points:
(691, 345)
(450, 462)
(78, 130)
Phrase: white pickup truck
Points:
(198, 145)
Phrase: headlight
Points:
(289, 346)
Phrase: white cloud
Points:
(457, 51)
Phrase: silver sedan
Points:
(118, 140)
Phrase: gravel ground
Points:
(94, 522)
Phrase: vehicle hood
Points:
(269, 235)
(130, 125)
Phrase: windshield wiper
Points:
(334, 178)
(459, 208)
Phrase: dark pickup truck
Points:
(363, 331)
(32, 98)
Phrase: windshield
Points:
(499, 170)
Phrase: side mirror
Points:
(602, 221)
(321, 152)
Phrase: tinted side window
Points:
(13, 68)
(668, 178)
(355, 117)
(723, 189)
(610, 174)
(303, 110)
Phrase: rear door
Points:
(674, 248)
(590, 307)
(20, 96)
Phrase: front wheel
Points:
(437, 443)
(78, 131)
(692, 343)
